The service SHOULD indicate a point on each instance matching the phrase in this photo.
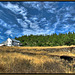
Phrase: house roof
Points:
(15, 40)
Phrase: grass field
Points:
(34, 60)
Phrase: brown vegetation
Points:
(33, 60)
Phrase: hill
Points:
(48, 40)
(35, 60)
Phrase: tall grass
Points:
(22, 60)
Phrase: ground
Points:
(35, 60)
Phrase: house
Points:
(11, 42)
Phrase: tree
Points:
(48, 40)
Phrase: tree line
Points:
(48, 40)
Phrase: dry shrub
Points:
(2, 68)
(20, 66)
(24, 66)
(54, 67)
(28, 66)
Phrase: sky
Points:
(36, 17)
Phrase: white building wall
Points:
(9, 42)
(1, 44)
(15, 43)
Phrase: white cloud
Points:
(37, 5)
(49, 5)
(61, 15)
(67, 8)
(12, 32)
(4, 24)
(61, 31)
(66, 26)
(11, 35)
(8, 32)
(40, 5)
(34, 18)
(1, 21)
(15, 8)
(65, 19)
(74, 24)
(43, 19)
(67, 15)
(35, 26)
(1, 37)
(27, 32)
(35, 32)
(73, 18)
(52, 10)
(23, 23)
(56, 23)
(14, 25)
(34, 4)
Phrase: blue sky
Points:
(25, 18)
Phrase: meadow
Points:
(35, 60)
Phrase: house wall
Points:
(9, 42)
(1, 44)
(15, 43)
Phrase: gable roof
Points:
(15, 40)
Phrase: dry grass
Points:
(30, 60)
(62, 53)
(37, 50)
(37, 47)
(16, 62)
